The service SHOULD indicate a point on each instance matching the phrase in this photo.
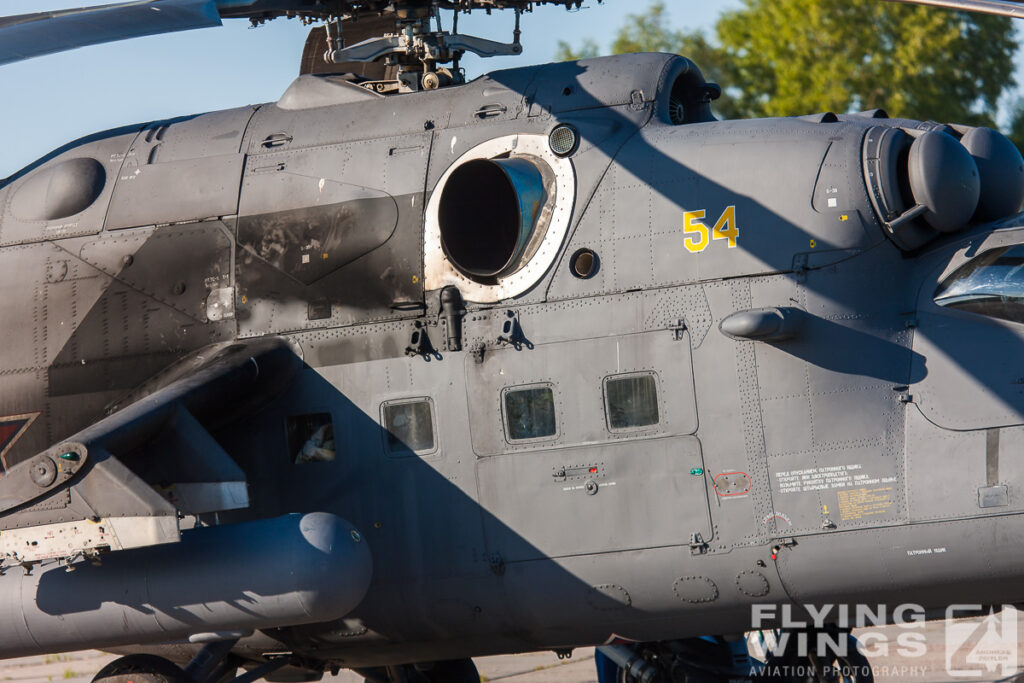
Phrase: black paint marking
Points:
(992, 456)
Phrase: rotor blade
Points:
(1002, 8)
(32, 35)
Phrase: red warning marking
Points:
(8, 430)
(11, 429)
(737, 493)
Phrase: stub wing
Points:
(126, 481)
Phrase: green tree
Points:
(788, 57)
(1016, 132)
(650, 32)
(795, 56)
(647, 32)
(567, 53)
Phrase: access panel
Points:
(592, 499)
(587, 447)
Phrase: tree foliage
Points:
(795, 56)
(650, 32)
(788, 57)
(1016, 131)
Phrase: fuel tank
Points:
(288, 570)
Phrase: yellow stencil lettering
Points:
(726, 227)
(692, 225)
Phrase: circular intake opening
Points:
(487, 215)
(584, 263)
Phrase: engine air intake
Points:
(939, 179)
(489, 214)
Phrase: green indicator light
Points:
(69, 456)
(697, 471)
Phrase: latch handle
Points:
(276, 140)
(490, 110)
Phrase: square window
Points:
(530, 413)
(631, 401)
(311, 438)
(410, 426)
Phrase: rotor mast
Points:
(418, 49)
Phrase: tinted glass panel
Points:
(631, 401)
(311, 438)
(410, 426)
(991, 284)
(530, 413)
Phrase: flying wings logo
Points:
(981, 648)
(11, 429)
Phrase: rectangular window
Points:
(410, 426)
(530, 413)
(311, 438)
(631, 401)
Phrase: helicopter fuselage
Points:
(579, 446)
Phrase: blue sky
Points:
(52, 100)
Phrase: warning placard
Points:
(865, 502)
(827, 478)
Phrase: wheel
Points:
(141, 669)
(452, 671)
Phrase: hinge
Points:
(636, 100)
(419, 343)
(698, 546)
(478, 350)
(903, 394)
(512, 333)
(678, 330)
(800, 267)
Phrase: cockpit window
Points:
(991, 284)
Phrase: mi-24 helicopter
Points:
(402, 370)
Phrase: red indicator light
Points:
(774, 556)
(593, 470)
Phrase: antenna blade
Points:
(32, 35)
(1002, 8)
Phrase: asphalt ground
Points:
(923, 656)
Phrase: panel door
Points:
(587, 447)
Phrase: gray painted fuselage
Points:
(857, 449)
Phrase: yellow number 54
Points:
(725, 229)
